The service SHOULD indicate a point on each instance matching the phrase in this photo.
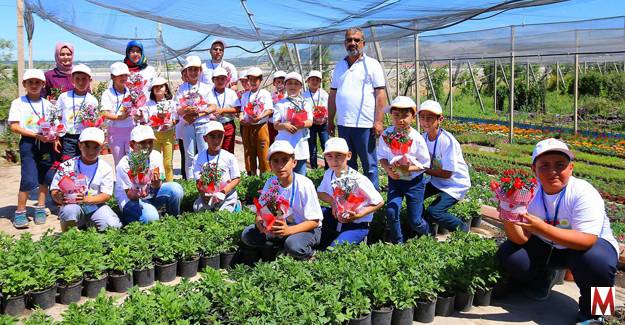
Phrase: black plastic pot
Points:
(248, 256)
(445, 304)
(442, 230)
(92, 287)
(43, 299)
(143, 278)
(188, 269)
(476, 221)
(424, 311)
(363, 320)
(165, 272)
(68, 293)
(268, 253)
(382, 316)
(210, 261)
(482, 297)
(464, 301)
(225, 260)
(14, 306)
(120, 282)
(402, 316)
(560, 274)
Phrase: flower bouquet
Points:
(278, 95)
(139, 171)
(296, 114)
(271, 206)
(347, 196)
(89, 115)
(135, 101)
(320, 114)
(55, 92)
(399, 143)
(51, 127)
(162, 120)
(71, 183)
(253, 109)
(190, 105)
(210, 183)
(514, 191)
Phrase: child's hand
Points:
(348, 217)
(134, 195)
(281, 228)
(58, 197)
(80, 198)
(254, 118)
(290, 127)
(259, 224)
(392, 173)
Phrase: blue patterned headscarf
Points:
(143, 61)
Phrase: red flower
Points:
(505, 179)
(533, 180)
(494, 185)
(518, 183)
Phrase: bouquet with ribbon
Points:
(210, 183)
(55, 92)
(296, 114)
(271, 206)
(134, 102)
(514, 191)
(399, 142)
(347, 196)
(71, 183)
(253, 109)
(89, 115)
(162, 120)
(139, 171)
(320, 114)
(51, 127)
(190, 105)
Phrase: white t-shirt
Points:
(298, 139)
(204, 90)
(446, 154)
(363, 182)
(226, 161)
(319, 98)
(123, 182)
(27, 116)
(228, 98)
(149, 74)
(304, 197)
(581, 209)
(208, 68)
(100, 180)
(112, 102)
(355, 89)
(70, 104)
(261, 96)
(418, 151)
(169, 106)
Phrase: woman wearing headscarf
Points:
(59, 79)
(137, 63)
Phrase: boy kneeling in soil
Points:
(566, 226)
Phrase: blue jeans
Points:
(361, 142)
(351, 233)
(414, 191)
(193, 139)
(299, 245)
(69, 145)
(320, 131)
(438, 210)
(300, 167)
(36, 160)
(528, 263)
(169, 195)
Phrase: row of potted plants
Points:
(357, 284)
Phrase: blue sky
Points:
(47, 34)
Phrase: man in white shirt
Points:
(217, 54)
(357, 100)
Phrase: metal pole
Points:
(427, 73)
(299, 61)
(558, 75)
(20, 46)
(495, 85)
(257, 30)
(416, 75)
(378, 53)
(511, 135)
(503, 73)
(320, 55)
(527, 83)
(451, 91)
(397, 70)
(477, 90)
(576, 90)
(291, 57)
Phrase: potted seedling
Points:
(120, 276)
(188, 249)
(15, 281)
(143, 265)
(381, 292)
(44, 270)
(70, 278)
(165, 262)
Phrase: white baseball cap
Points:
(402, 102)
(294, 76)
(219, 40)
(314, 73)
(92, 134)
(192, 61)
(254, 71)
(549, 145)
(214, 126)
(336, 145)
(243, 74)
(431, 106)
(119, 68)
(82, 68)
(279, 74)
(34, 74)
(157, 82)
(141, 133)
(219, 71)
(280, 146)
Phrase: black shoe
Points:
(541, 291)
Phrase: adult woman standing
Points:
(59, 79)
(138, 63)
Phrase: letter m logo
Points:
(602, 297)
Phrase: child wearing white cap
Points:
(137, 206)
(162, 117)
(404, 167)
(449, 174)
(37, 153)
(319, 129)
(225, 195)
(353, 227)
(120, 123)
(294, 131)
(565, 226)
(227, 102)
(194, 118)
(70, 104)
(88, 208)
(279, 93)
(245, 84)
(300, 231)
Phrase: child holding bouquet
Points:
(351, 195)
(319, 100)
(257, 107)
(217, 173)
(79, 110)
(139, 188)
(288, 211)
(566, 226)
(278, 94)
(404, 156)
(83, 184)
(449, 174)
(227, 106)
(113, 109)
(292, 117)
(162, 118)
(37, 151)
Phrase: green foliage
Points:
(102, 310)
(439, 77)
(9, 320)
(39, 317)
(100, 88)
